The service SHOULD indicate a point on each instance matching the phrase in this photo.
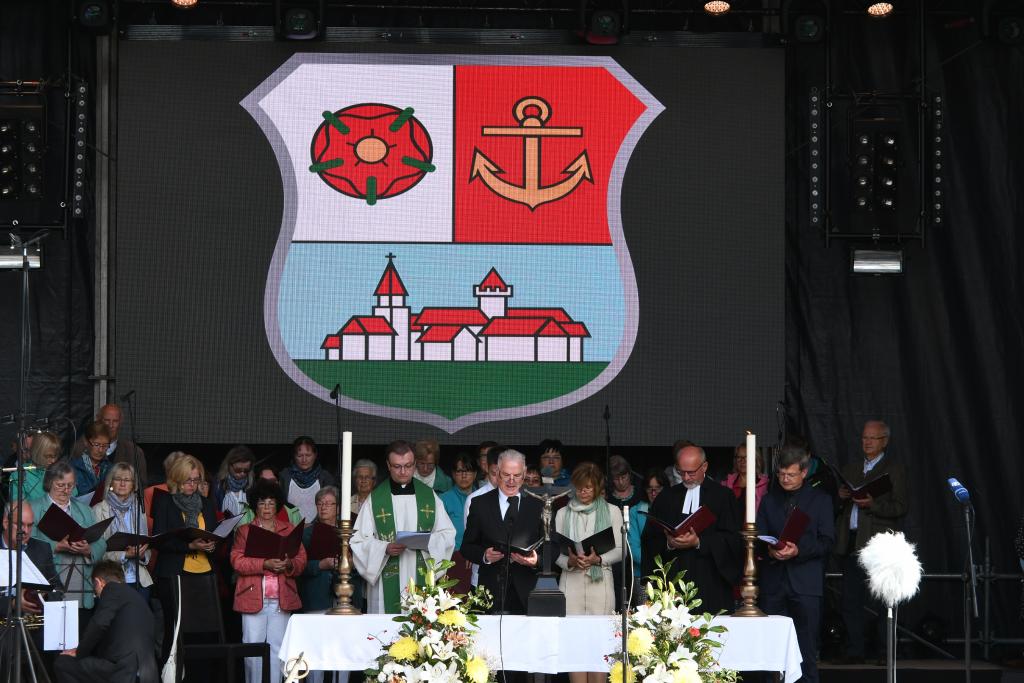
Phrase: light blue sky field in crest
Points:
(323, 285)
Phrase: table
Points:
(538, 644)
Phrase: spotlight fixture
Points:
(876, 261)
(12, 258)
(878, 10)
(816, 191)
(184, 4)
(603, 22)
(717, 8)
(299, 20)
(95, 16)
(809, 28)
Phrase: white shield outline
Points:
(289, 220)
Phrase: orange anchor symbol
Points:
(531, 129)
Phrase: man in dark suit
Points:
(119, 642)
(860, 518)
(497, 519)
(36, 550)
(711, 559)
(793, 577)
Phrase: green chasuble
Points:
(384, 521)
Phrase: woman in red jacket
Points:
(265, 594)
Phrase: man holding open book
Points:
(696, 523)
(873, 498)
(797, 527)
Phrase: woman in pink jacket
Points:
(265, 594)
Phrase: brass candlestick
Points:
(748, 591)
(343, 588)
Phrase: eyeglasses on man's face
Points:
(401, 468)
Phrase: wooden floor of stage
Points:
(920, 671)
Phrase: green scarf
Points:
(573, 525)
(383, 511)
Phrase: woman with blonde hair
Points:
(122, 503)
(183, 507)
(587, 579)
(44, 452)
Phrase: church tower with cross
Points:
(391, 305)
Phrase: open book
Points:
(122, 540)
(796, 525)
(601, 542)
(58, 525)
(271, 546)
(697, 522)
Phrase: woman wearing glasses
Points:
(92, 466)
(183, 507)
(121, 503)
(73, 559)
(44, 452)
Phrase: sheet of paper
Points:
(60, 625)
(30, 574)
(413, 540)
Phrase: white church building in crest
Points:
(492, 331)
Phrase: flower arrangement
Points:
(667, 640)
(435, 641)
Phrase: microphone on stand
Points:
(335, 391)
(960, 492)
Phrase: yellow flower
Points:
(476, 670)
(640, 642)
(615, 675)
(404, 649)
(452, 617)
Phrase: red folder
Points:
(58, 525)
(271, 546)
(697, 522)
(324, 542)
(796, 525)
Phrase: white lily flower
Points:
(646, 614)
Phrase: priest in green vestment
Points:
(399, 504)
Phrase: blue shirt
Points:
(454, 501)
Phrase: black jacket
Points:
(805, 572)
(121, 631)
(41, 556)
(166, 516)
(485, 529)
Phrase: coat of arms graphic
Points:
(452, 249)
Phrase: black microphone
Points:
(960, 491)
(125, 397)
(335, 391)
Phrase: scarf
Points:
(192, 506)
(236, 485)
(119, 507)
(573, 525)
(307, 478)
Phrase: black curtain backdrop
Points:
(34, 46)
(937, 352)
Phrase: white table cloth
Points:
(538, 644)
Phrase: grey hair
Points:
(703, 455)
(881, 423)
(368, 464)
(55, 472)
(793, 454)
(512, 455)
(325, 491)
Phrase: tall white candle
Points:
(751, 477)
(346, 476)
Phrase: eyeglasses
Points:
(401, 467)
(789, 475)
(63, 485)
(327, 504)
(99, 444)
(512, 477)
(123, 480)
(691, 473)
(194, 481)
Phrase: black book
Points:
(601, 542)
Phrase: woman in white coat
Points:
(122, 503)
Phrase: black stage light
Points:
(95, 16)
(809, 28)
(297, 20)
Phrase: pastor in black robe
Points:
(716, 564)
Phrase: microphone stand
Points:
(626, 562)
(607, 416)
(336, 395)
(139, 499)
(971, 592)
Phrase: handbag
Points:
(169, 673)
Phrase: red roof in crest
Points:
(513, 327)
(414, 323)
(331, 341)
(451, 316)
(576, 329)
(558, 314)
(441, 333)
(390, 283)
(493, 282)
(551, 329)
(367, 324)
